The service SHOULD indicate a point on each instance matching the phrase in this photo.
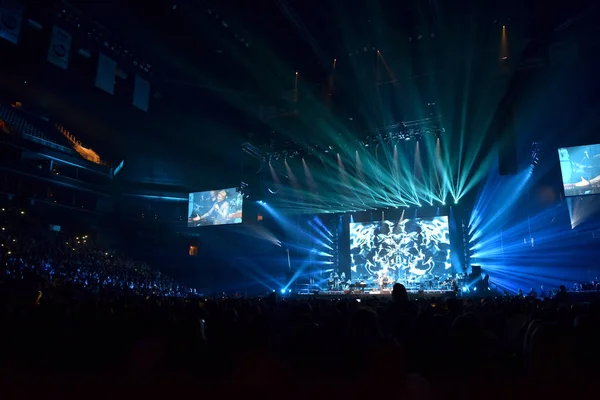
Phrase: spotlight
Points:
(464, 289)
(282, 290)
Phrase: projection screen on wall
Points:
(215, 207)
(580, 169)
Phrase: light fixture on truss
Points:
(244, 189)
(536, 152)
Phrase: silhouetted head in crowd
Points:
(365, 323)
(399, 293)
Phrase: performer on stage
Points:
(336, 280)
(219, 212)
(383, 280)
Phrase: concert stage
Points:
(412, 294)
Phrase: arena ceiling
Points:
(216, 65)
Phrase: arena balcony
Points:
(32, 137)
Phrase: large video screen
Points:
(580, 168)
(403, 251)
(215, 207)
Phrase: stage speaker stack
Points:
(504, 134)
(507, 154)
(476, 280)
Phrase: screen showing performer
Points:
(215, 207)
(580, 168)
(402, 251)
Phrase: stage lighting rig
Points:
(466, 241)
(86, 30)
(406, 130)
(254, 151)
(244, 189)
(537, 152)
(289, 150)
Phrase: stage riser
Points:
(431, 294)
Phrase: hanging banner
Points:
(60, 47)
(11, 18)
(141, 93)
(105, 76)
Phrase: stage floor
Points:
(413, 294)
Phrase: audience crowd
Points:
(54, 259)
(72, 313)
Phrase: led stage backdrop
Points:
(405, 249)
(580, 168)
(215, 207)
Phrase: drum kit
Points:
(338, 282)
